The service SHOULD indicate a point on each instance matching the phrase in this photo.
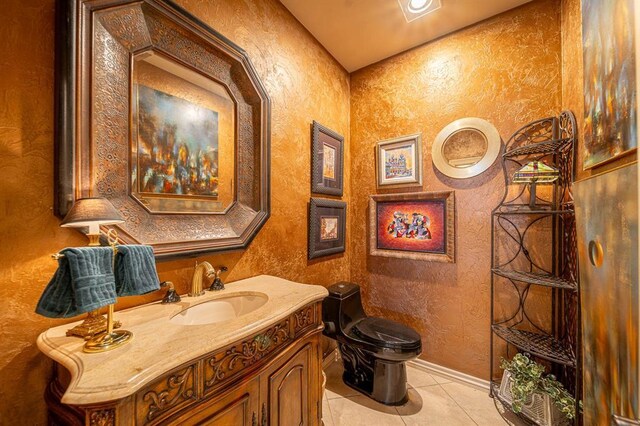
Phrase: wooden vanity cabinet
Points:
(270, 378)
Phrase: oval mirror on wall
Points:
(466, 147)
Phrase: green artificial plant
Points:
(527, 377)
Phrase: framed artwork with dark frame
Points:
(327, 227)
(399, 161)
(417, 226)
(327, 160)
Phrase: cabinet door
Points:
(290, 390)
(238, 407)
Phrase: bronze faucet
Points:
(196, 282)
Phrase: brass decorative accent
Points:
(247, 353)
(92, 325)
(163, 399)
(106, 417)
(110, 339)
(304, 318)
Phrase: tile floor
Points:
(433, 400)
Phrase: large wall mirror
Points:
(167, 119)
(466, 147)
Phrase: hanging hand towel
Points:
(83, 282)
(135, 270)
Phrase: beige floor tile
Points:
(417, 377)
(476, 403)
(335, 387)
(440, 379)
(432, 406)
(327, 420)
(362, 411)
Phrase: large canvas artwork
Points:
(416, 226)
(177, 146)
(609, 80)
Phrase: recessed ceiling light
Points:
(414, 9)
(417, 6)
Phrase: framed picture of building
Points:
(417, 226)
(327, 161)
(327, 227)
(399, 161)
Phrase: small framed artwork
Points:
(418, 226)
(399, 161)
(327, 161)
(327, 226)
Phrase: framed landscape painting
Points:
(399, 161)
(327, 161)
(418, 226)
(327, 227)
(610, 109)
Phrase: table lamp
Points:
(91, 213)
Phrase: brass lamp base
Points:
(93, 325)
(108, 341)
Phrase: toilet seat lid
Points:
(387, 333)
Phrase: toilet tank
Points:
(342, 308)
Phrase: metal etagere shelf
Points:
(534, 259)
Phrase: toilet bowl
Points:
(374, 350)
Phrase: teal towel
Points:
(135, 270)
(83, 282)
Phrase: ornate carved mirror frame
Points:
(96, 44)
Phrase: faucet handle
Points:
(217, 283)
(171, 296)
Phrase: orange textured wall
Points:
(305, 83)
(505, 70)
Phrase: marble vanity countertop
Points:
(158, 345)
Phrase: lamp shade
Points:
(91, 212)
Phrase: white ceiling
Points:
(360, 32)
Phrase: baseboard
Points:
(330, 359)
(450, 374)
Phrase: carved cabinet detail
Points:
(272, 377)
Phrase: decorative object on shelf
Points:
(399, 161)
(538, 396)
(466, 147)
(607, 233)
(327, 161)
(327, 227)
(144, 70)
(535, 173)
(89, 214)
(610, 110)
(418, 226)
(533, 244)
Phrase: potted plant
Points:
(538, 396)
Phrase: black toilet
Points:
(374, 350)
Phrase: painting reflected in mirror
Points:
(183, 139)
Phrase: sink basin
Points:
(219, 310)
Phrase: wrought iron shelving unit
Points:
(521, 264)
